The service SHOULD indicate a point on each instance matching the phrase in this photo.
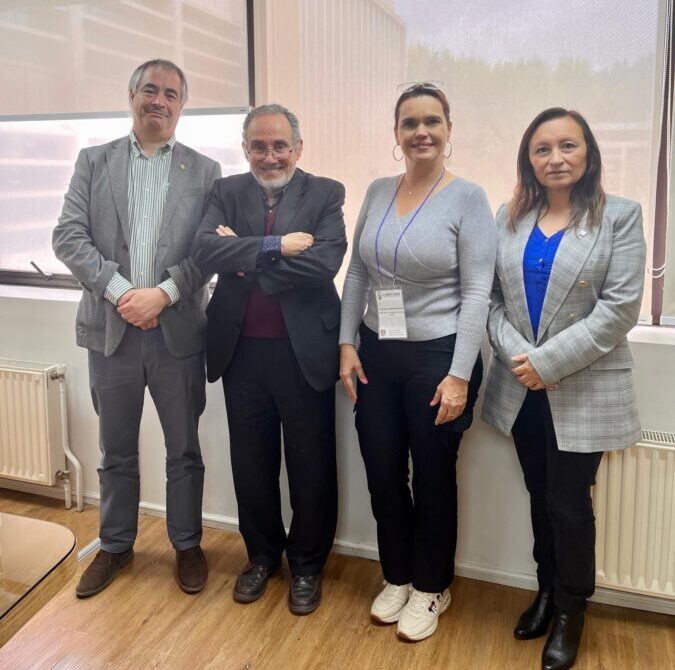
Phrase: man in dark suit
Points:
(275, 236)
(125, 231)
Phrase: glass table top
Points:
(30, 549)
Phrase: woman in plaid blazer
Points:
(568, 287)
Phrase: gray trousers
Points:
(177, 387)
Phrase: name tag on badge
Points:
(391, 315)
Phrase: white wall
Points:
(494, 533)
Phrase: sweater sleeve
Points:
(476, 251)
(355, 290)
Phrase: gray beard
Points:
(273, 185)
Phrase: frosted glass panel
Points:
(63, 56)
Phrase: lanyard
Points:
(400, 237)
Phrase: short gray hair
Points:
(165, 65)
(266, 110)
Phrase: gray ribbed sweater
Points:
(452, 237)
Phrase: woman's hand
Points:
(528, 376)
(350, 363)
(451, 394)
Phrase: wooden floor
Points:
(144, 621)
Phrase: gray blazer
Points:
(92, 240)
(592, 301)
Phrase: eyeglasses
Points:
(277, 151)
(408, 86)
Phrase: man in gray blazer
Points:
(125, 231)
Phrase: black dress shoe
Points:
(304, 596)
(252, 582)
(560, 650)
(534, 621)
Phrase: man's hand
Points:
(149, 325)
(528, 376)
(141, 306)
(225, 231)
(293, 244)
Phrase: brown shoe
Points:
(252, 582)
(304, 595)
(192, 569)
(101, 571)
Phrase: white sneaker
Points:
(419, 617)
(387, 607)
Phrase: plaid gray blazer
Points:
(592, 301)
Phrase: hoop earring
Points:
(393, 152)
(450, 152)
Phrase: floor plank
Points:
(143, 621)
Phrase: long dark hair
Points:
(587, 195)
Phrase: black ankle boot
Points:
(560, 650)
(535, 619)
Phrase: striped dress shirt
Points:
(148, 183)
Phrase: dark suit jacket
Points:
(304, 283)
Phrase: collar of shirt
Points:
(275, 200)
(137, 152)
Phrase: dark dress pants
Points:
(177, 387)
(266, 391)
(416, 534)
(563, 524)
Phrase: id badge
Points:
(391, 314)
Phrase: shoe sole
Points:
(190, 590)
(417, 638)
(301, 610)
(426, 633)
(387, 620)
(532, 636)
(93, 592)
(246, 598)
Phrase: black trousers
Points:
(416, 534)
(559, 484)
(266, 391)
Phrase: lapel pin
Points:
(583, 232)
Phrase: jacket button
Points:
(583, 283)
(125, 247)
(571, 316)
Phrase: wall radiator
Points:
(634, 502)
(34, 426)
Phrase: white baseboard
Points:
(470, 571)
(56, 491)
(605, 596)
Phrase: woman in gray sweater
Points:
(417, 291)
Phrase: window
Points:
(65, 68)
(338, 64)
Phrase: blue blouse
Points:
(537, 263)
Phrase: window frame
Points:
(67, 280)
